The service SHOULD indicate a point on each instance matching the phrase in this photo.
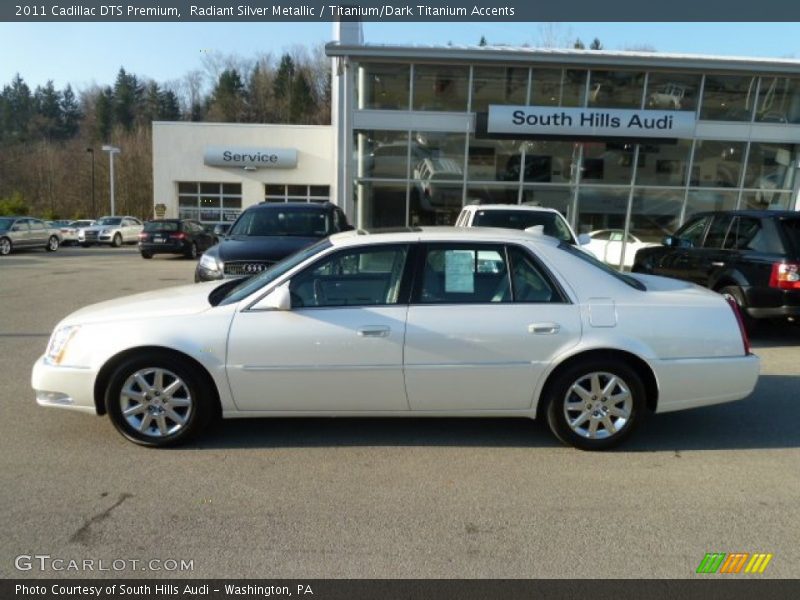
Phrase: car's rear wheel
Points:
(736, 294)
(147, 254)
(52, 244)
(85, 245)
(5, 246)
(191, 251)
(595, 404)
(158, 400)
(117, 241)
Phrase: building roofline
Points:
(566, 57)
(250, 125)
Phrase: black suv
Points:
(267, 233)
(751, 256)
(174, 236)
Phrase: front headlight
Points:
(58, 343)
(209, 262)
(105, 231)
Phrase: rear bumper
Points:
(769, 303)
(64, 387)
(166, 248)
(695, 382)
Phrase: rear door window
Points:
(717, 231)
(693, 231)
(791, 231)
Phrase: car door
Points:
(339, 348)
(674, 260)
(702, 262)
(484, 324)
(20, 234)
(132, 229)
(38, 233)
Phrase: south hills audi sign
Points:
(578, 123)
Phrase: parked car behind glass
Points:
(26, 232)
(174, 236)
(753, 257)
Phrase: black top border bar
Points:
(475, 11)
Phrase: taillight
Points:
(738, 314)
(178, 236)
(785, 276)
(142, 236)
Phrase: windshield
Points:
(626, 279)
(295, 221)
(109, 221)
(5, 224)
(80, 224)
(552, 223)
(161, 226)
(231, 295)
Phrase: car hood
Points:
(271, 248)
(167, 302)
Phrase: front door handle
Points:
(544, 328)
(375, 331)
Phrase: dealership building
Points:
(632, 141)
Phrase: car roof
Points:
(280, 205)
(440, 234)
(519, 207)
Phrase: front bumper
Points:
(64, 387)
(694, 382)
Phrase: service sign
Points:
(579, 123)
(250, 158)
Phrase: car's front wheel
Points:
(117, 241)
(5, 246)
(595, 404)
(52, 244)
(158, 400)
(146, 254)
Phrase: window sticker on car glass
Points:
(459, 272)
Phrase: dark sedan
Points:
(174, 236)
(267, 233)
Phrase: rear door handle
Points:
(377, 331)
(544, 328)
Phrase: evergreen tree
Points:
(483, 41)
(579, 45)
(71, 113)
(20, 109)
(227, 102)
(301, 108)
(104, 114)
(169, 109)
(596, 45)
(48, 120)
(283, 87)
(127, 96)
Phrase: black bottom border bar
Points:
(705, 587)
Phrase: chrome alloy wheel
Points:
(5, 247)
(598, 405)
(155, 402)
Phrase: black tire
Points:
(191, 251)
(560, 390)
(737, 295)
(200, 411)
(6, 246)
(85, 245)
(116, 241)
(52, 244)
(147, 255)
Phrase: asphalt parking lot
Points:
(403, 498)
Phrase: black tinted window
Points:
(290, 222)
(717, 231)
(161, 226)
(791, 229)
(693, 231)
(552, 223)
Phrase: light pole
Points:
(94, 208)
(112, 150)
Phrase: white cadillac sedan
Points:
(426, 322)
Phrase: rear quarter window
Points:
(791, 232)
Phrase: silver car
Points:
(26, 232)
(111, 230)
(69, 232)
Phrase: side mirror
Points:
(278, 299)
(584, 239)
(668, 241)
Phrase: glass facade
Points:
(648, 189)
